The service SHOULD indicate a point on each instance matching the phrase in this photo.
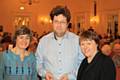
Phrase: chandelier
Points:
(30, 2)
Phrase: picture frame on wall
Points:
(21, 20)
(112, 25)
(80, 22)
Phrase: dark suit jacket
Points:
(101, 68)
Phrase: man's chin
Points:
(60, 34)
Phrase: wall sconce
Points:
(44, 19)
(95, 18)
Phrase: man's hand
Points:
(64, 77)
(49, 76)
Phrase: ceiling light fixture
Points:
(30, 2)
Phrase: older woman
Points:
(18, 63)
(96, 65)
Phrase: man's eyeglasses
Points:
(60, 22)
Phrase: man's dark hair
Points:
(60, 10)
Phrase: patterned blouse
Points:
(12, 68)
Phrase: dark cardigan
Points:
(101, 68)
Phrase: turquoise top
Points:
(12, 68)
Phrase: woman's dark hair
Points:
(60, 10)
(22, 30)
(89, 35)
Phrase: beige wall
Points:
(10, 8)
